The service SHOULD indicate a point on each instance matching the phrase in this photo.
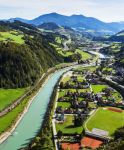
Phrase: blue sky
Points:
(105, 10)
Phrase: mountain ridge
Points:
(75, 21)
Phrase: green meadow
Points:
(8, 96)
(12, 36)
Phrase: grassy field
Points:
(68, 53)
(106, 120)
(11, 36)
(62, 65)
(117, 96)
(60, 50)
(85, 68)
(98, 88)
(58, 40)
(7, 96)
(108, 69)
(84, 55)
(63, 92)
(80, 78)
(65, 79)
(65, 53)
(64, 104)
(68, 126)
(7, 120)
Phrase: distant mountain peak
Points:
(53, 13)
(74, 15)
(18, 19)
(77, 22)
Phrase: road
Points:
(54, 114)
(109, 78)
(65, 44)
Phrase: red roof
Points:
(70, 146)
(91, 142)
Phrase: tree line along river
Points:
(32, 120)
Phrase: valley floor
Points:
(86, 107)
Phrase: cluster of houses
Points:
(74, 84)
(79, 104)
(104, 98)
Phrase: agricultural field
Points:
(60, 50)
(84, 55)
(12, 36)
(8, 96)
(67, 53)
(106, 119)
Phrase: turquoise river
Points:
(32, 120)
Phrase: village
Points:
(87, 110)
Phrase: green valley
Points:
(61, 80)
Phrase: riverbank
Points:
(46, 131)
(55, 98)
(37, 87)
(9, 132)
(15, 141)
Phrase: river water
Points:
(32, 120)
(99, 54)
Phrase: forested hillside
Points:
(24, 58)
(119, 37)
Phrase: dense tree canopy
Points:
(22, 64)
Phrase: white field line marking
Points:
(85, 125)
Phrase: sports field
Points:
(106, 119)
(91, 142)
(70, 146)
